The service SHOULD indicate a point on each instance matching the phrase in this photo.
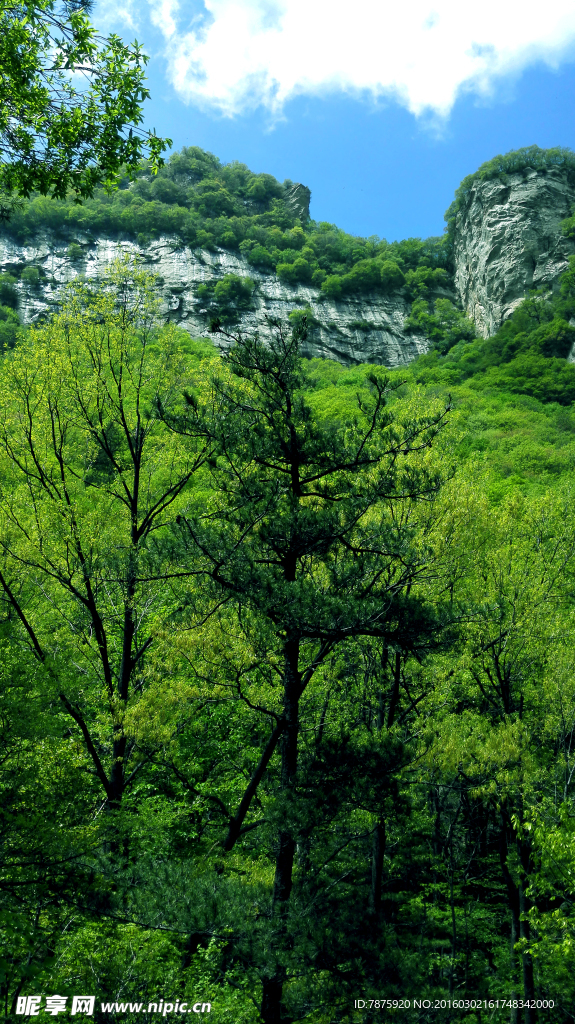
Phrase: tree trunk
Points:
(273, 986)
(271, 999)
(377, 855)
(524, 851)
(513, 899)
(118, 772)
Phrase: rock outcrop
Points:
(508, 239)
(355, 330)
(297, 198)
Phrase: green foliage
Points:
(526, 355)
(365, 276)
(259, 256)
(234, 290)
(515, 162)
(442, 322)
(75, 251)
(207, 204)
(568, 227)
(332, 286)
(295, 273)
(56, 137)
(567, 285)
(226, 298)
(10, 328)
(392, 276)
(31, 275)
(424, 279)
(8, 292)
(343, 761)
(309, 542)
(302, 320)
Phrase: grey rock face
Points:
(360, 329)
(297, 198)
(508, 240)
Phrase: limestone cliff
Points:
(358, 329)
(508, 239)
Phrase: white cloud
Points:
(238, 54)
(112, 16)
(163, 16)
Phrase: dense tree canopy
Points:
(286, 680)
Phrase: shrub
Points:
(332, 286)
(392, 276)
(9, 328)
(228, 240)
(298, 316)
(294, 273)
(555, 338)
(233, 290)
(227, 297)
(8, 293)
(31, 275)
(363, 277)
(425, 279)
(260, 257)
(443, 323)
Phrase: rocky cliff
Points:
(358, 329)
(508, 239)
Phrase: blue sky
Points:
(381, 114)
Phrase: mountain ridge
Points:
(367, 300)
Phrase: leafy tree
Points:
(227, 297)
(91, 477)
(392, 276)
(296, 272)
(332, 286)
(8, 293)
(259, 256)
(56, 136)
(10, 328)
(365, 275)
(31, 275)
(424, 279)
(312, 541)
(49, 844)
(442, 322)
(500, 745)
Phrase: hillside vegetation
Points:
(206, 204)
(287, 687)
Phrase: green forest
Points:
(287, 702)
